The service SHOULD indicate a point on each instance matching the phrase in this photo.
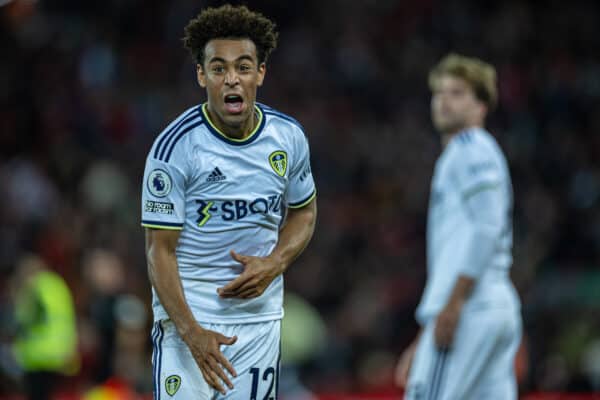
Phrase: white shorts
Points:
(480, 364)
(255, 357)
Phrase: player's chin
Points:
(445, 125)
(235, 118)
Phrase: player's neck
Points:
(240, 131)
(447, 136)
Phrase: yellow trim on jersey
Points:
(169, 228)
(480, 188)
(304, 203)
(258, 124)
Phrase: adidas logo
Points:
(216, 176)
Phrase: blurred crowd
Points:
(85, 87)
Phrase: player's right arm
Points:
(163, 216)
(485, 203)
(164, 276)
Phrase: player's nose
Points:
(232, 78)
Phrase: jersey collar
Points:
(236, 142)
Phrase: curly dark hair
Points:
(229, 22)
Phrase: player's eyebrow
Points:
(240, 58)
(217, 59)
(245, 57)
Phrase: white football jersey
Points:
(225, 194)
(472, 165)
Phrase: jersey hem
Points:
(424, 317)
(233, 320)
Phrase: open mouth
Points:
(234, 103)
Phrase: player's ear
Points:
(200, 75)
(262, 70)
(478, 110)
(482, 110)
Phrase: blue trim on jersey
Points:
(242, 142)
(270, 111)
(155, 371)
(183, 120)
(179, 136)
(285, 118)
(465, 137)
(185, 127)
(192, 120)
(273, 111)
(161, 223)
(438, 373)
(159, 343)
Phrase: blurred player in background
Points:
(217, 184)
(469, 311)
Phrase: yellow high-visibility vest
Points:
(47, 338)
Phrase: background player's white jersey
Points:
(225, 194)
(471, 179)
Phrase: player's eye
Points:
(245, 67)
(218, 69)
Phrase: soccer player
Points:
(469, 312)
(228, 203)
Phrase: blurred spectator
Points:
(131, 372)
(103, 273)
(46, 340)
(303, 336)
(590, 364)
(113, 389)
(130, 362)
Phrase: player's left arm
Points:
(259, 272)
(484, 205)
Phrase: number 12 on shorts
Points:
(268, 375)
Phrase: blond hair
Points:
(480, 75)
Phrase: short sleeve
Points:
(163, 195)
(476, 171)
(477, 177)
(301, 189)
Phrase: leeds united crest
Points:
(278, 161)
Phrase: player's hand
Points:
(205, 347)
(445, 326)
(258, 274)
(403, 367)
